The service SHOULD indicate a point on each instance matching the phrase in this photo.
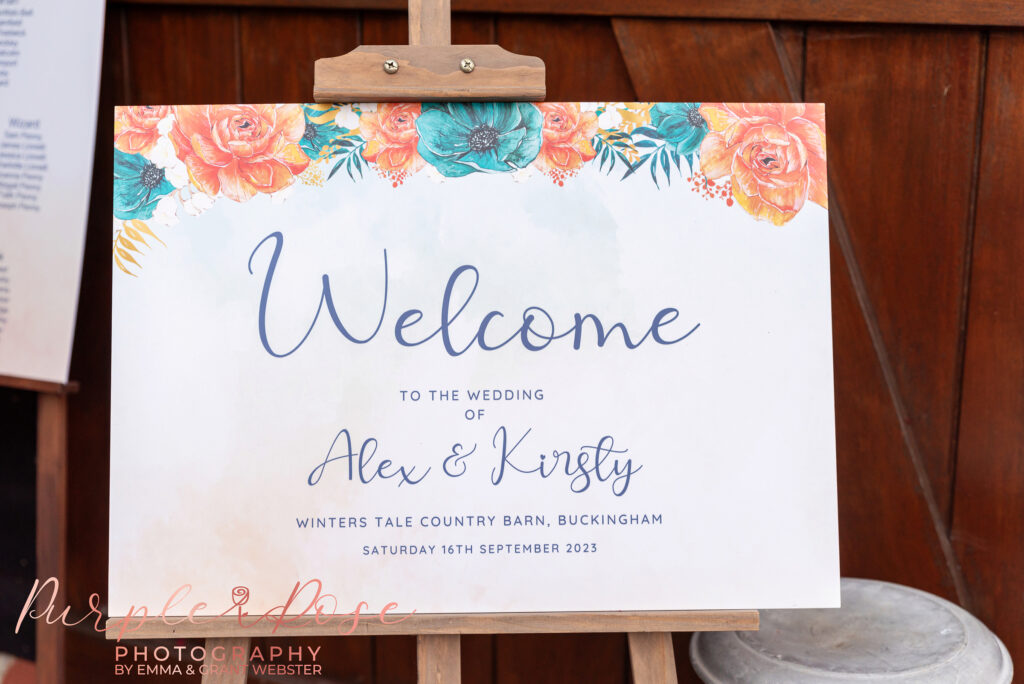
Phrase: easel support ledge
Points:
(452, 624)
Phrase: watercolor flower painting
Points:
(240, 150)
(567, 133)
(493, 137)
(391, 138)
(768, 159)
(774, 155)
(680, 124)
(139, 185)
(136, 129)
(317, 137)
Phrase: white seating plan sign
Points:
(46, 150)
(472, 357)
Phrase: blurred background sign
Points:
(49, 90)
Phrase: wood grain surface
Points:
(430, 22)
(438, 660)
(428, 73)
(652, 659)
(910, 235)
(965, 12)
(51, 537)
(988, 514)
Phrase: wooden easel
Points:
(431, 68)
(437, 635)
(51, 510)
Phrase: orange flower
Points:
(240, 150)
(774, 154)
(135, 128)
(566, 136)
(391, 137)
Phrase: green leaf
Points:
(634, 167)
(335, 169)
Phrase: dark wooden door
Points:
(926, 153)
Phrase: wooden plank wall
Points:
(925, 156)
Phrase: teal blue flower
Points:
(680, 125)
(138, 185)
(318, 136)
(460, 138)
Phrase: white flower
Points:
(166, 212)
(281, 195)
(433, 174)
(165, 125)
(164, 157)
(610, 119)
(524, 174)
(346, 118)
(197, 203)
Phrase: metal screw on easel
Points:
(467, 65)
(390, 66)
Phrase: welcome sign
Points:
(473, 357)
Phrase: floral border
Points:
(767, 158)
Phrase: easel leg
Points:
(51, 526)
(227, 666)
(438, 659)
(650, 654)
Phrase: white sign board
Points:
(47, 135)
(475, 358)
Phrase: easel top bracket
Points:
(430, 68)
(428, 73)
